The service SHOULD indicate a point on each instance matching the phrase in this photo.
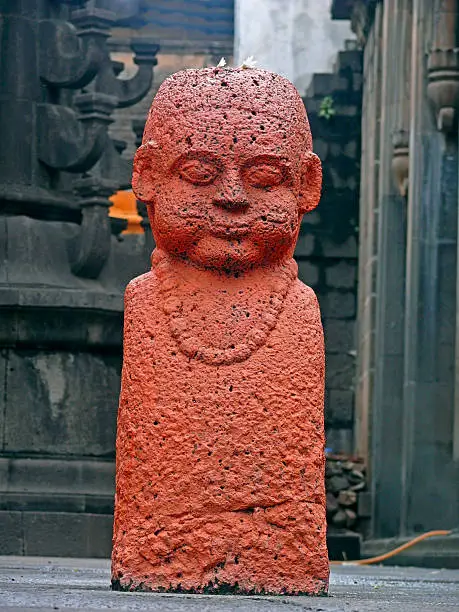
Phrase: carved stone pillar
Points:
(443, 69)
(389, 286)
(401, 133)
(430, 475)
(401, 161)
(62, 275)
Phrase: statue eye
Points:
(264, 175)
(198, 171)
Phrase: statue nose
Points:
(233, 196)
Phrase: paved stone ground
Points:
(39, 584)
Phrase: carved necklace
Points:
(194, 348)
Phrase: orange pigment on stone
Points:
(220, 443)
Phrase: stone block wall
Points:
(327, 247)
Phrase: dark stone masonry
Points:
(327, 248)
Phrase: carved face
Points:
(227, 174)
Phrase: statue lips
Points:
(230, 231)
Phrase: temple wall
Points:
(406, 417)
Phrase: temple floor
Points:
(37, 584)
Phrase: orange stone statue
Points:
(220, 446)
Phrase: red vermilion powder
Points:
(220, 446)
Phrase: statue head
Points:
(226, 167)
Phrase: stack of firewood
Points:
(344, 480)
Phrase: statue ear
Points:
(311, 182)
(145, 171)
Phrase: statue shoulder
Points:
(140, 287)
(305, 293)
(306, 299)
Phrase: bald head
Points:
(262, 101)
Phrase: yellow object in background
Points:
(125, 207)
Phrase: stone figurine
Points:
(220, 447)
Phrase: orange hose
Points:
(399, 549)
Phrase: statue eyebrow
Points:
(267, 158)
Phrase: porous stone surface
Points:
(220, 446)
